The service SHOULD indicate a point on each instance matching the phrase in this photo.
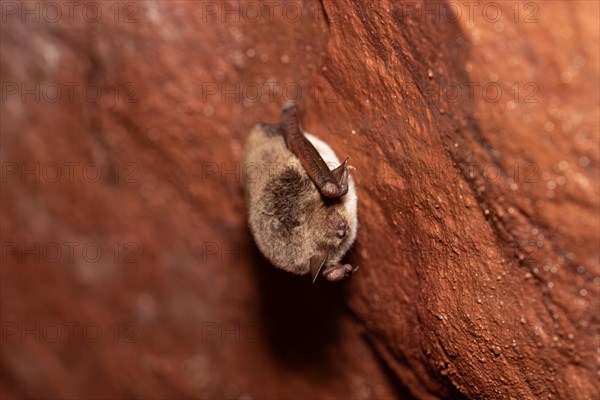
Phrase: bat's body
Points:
(296, 226)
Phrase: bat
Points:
(301, 213)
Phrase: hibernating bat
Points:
(302, 214)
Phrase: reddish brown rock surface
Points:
(127, 266)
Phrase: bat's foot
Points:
(338, 272)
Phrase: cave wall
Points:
(474, 141)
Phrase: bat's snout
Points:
(341, 229)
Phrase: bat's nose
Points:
(341, 229)
(337, 225)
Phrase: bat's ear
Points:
(316, 263)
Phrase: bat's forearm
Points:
(309, 157)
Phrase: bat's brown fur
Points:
(289, 219)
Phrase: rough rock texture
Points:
(478, 247)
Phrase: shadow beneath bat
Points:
(299, 321)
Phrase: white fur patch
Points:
(349, 200)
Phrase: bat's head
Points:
(301, 222)
(332, 227)
(333, 224)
